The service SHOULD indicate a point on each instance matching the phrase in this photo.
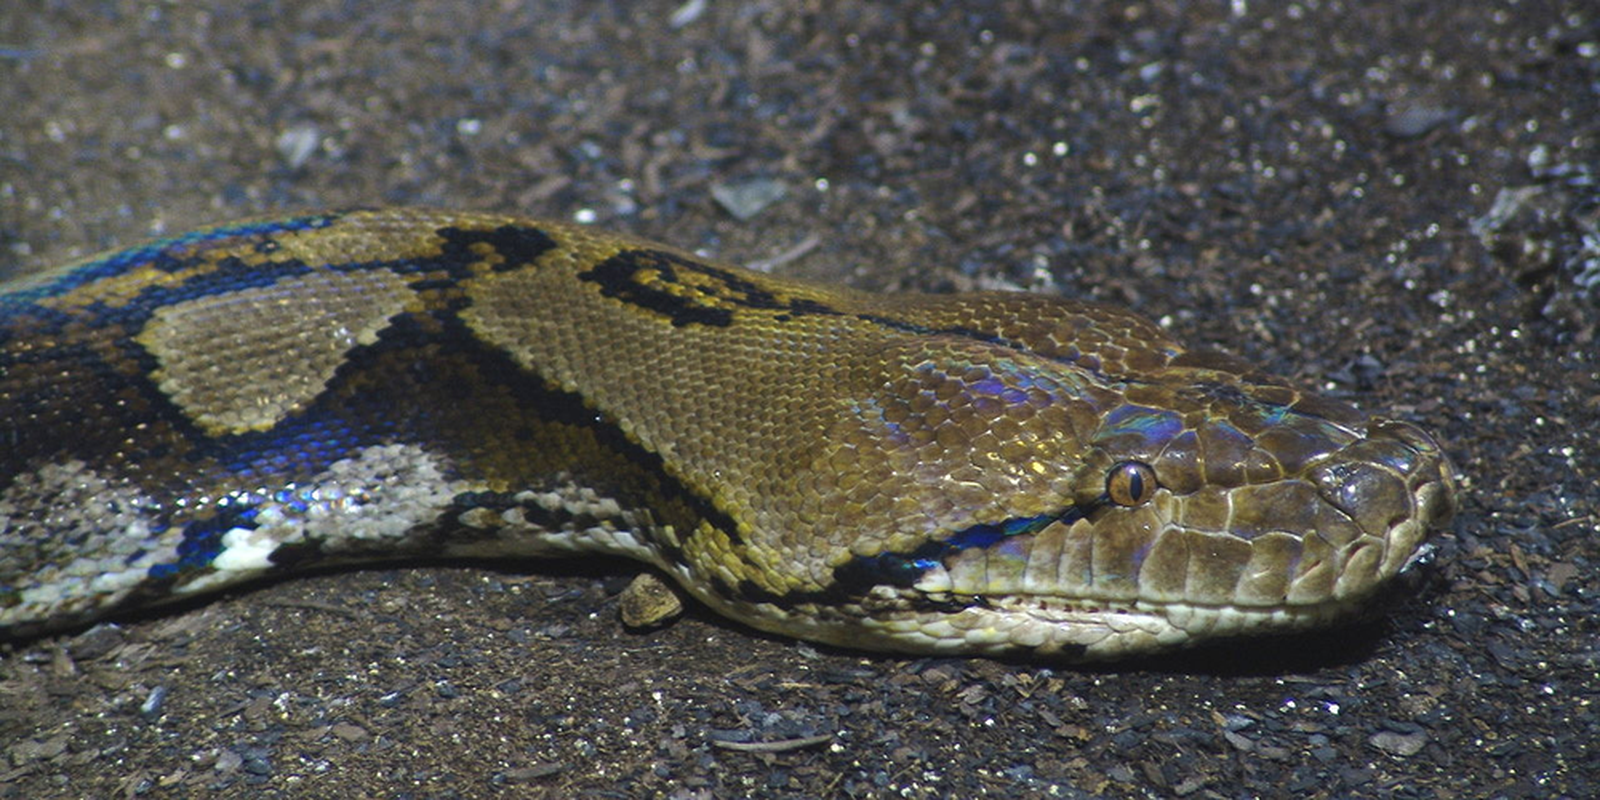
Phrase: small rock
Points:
(228, 761)
(1240, 742)
(95, 642)
(648, 602)
(1399, 744)
(1409, 122)
(748, 198)
(686, 14)
(295, 145)
(154, 702)
(23, 752)
(533, 772)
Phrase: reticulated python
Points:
(977, 473)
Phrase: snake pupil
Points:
(1131, 483)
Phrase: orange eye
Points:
(1131, 483)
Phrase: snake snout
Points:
(1395, 484)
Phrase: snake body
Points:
(973, 473)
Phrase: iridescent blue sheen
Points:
(871, 411)
(1274, 415)
(991, 385)
(1006, 391)
(904, 569)
(202, 541)
(985, 535)
(1152, 426)
(160, 252)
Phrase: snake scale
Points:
(984, 473)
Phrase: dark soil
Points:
(1392, 201)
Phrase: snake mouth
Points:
(1082, 630)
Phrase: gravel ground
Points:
(1393, 201)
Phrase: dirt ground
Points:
(1393, 201)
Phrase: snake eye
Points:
(1131, 483)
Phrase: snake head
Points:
(1002, 502)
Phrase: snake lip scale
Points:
(990, 473)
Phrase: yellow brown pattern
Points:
(986, 473)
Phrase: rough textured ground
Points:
(1394, 201)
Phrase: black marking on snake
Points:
(432, 284)
(229, 275)
(520, 245)
(855, 579)
(119, 374)
(560, 407)
(448, 528)
(166, 261)
(555, 406)
(517, 245)
(551, 519)
(619, 277)
(162, 255)
(977, 335)
(624, 277)
(923, 330)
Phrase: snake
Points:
(988, 473)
